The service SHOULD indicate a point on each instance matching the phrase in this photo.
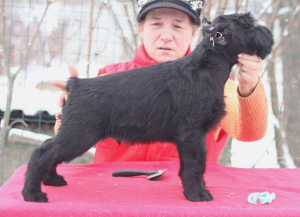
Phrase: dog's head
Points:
(238, 33)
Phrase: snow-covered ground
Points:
(33, 91)
(258, 154)
(32, 138)
(263, 153)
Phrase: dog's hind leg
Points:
(192, 154)
(65, 146)
(42, 160)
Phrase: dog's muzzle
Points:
(209, 30)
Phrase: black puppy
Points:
(178, 101)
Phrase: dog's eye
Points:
(218, 35)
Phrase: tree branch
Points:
(12, 76)
(123, 37)
(280, 46)
(90, 38)
(49, 2)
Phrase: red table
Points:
(92, 191)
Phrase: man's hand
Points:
(62, 86)
(250, 68)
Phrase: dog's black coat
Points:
(178, 101)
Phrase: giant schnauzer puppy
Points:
(178, 101)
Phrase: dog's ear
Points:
(261, 40)
(246, 19)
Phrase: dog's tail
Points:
(71, 83)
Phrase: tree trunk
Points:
(275, 108)
(291, 91)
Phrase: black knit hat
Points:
(190, 7)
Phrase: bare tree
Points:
(90, 38)
(127, 5)
(290, 112)
(288, 25)
(10, 74)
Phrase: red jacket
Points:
(110, 150)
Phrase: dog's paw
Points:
(198, 195)
(56, 180)
(35, 196)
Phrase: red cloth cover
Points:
(92, 191)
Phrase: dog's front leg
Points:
(51, 178)
(192, 154)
